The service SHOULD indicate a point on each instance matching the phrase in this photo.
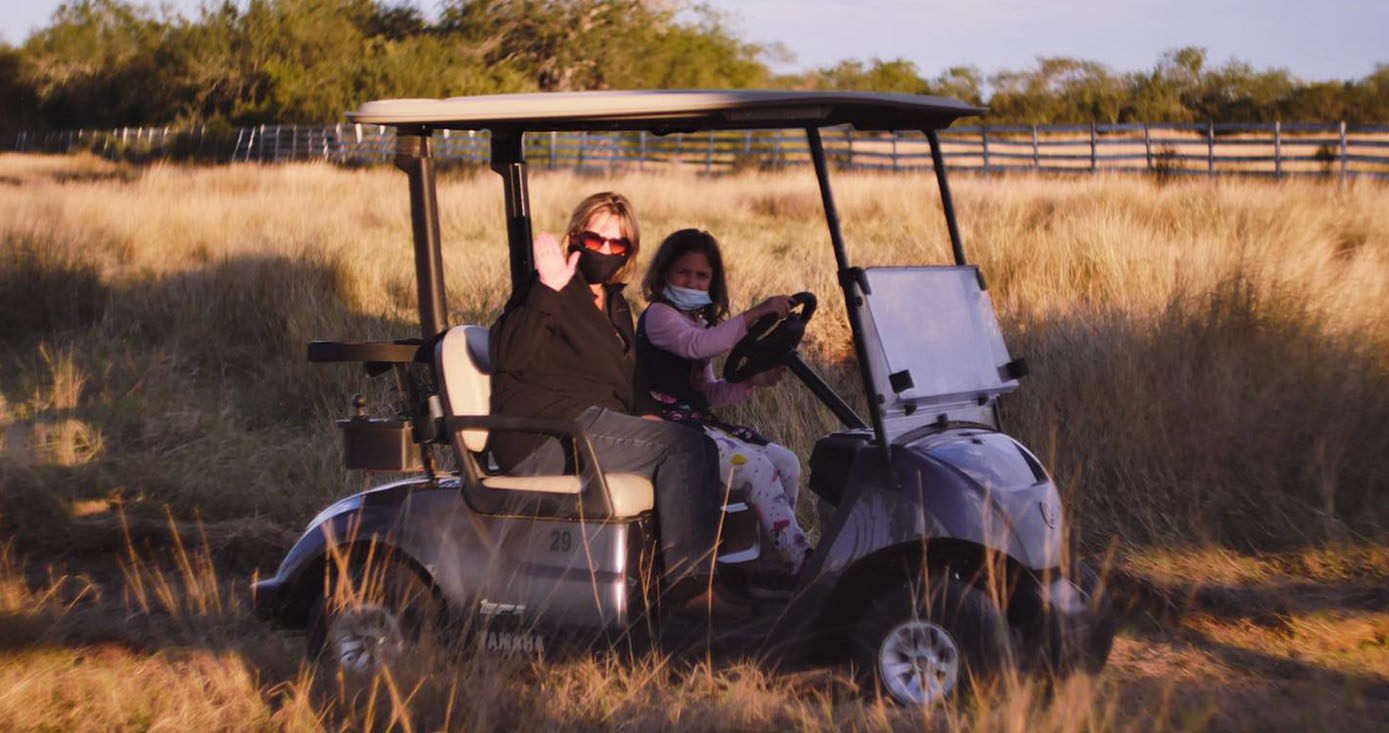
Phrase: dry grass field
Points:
(1210, 388)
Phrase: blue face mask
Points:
(686, 299)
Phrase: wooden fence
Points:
(1272, 149)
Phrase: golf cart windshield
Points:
(932, 343)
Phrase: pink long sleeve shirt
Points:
(684, 335)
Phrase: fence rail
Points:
(1269, 149)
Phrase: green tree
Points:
(1157, 96)
(93, 64)
(605, 44)
(961, 82)
(894, 75)
(17, 102)
(1059, 90)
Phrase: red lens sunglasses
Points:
(595, 241)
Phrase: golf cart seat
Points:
(465, 387)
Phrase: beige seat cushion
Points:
(465, 385)
(631, 494)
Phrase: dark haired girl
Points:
(676, 336)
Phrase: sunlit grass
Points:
(1210, 382)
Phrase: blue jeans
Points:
(682, 464)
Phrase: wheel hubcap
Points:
(919, 662)
(363, 638)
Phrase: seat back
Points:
(465, 384)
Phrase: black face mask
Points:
(596, 267)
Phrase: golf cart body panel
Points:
(969, 483)
(668, 110)
(478, 564)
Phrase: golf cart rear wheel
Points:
(921, 646)
(371, 617)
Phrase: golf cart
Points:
(941, 553)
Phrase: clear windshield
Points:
(932, 338)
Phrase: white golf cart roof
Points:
(670, 110)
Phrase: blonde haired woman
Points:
(564, 349)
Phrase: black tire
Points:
(909, 614)
(387, 610)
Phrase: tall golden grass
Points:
(1210, 368)
(1209, 359)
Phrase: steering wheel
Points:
(770, 339)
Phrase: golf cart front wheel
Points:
(923, 645)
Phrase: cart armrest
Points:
(594, 498)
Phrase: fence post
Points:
(1278, 149)
(709, 154)
(1094, 158)
(894, 150)
(1036, 151)
(641, 150)
(1148, 145)
(849, 145)
(679, 138)
(984, 146)
(1343, 150)
(1210, 148)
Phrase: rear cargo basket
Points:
(379, 444)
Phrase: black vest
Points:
(667, 374)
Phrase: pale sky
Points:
(1329, 39)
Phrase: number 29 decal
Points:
(561, 540)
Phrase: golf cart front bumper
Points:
(1065, 624)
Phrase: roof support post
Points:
(414, 156)
(509, 162)
(946, 202)
(852, 283)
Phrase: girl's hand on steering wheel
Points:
(779, 305)
(554, 269)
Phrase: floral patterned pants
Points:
(770, 478)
